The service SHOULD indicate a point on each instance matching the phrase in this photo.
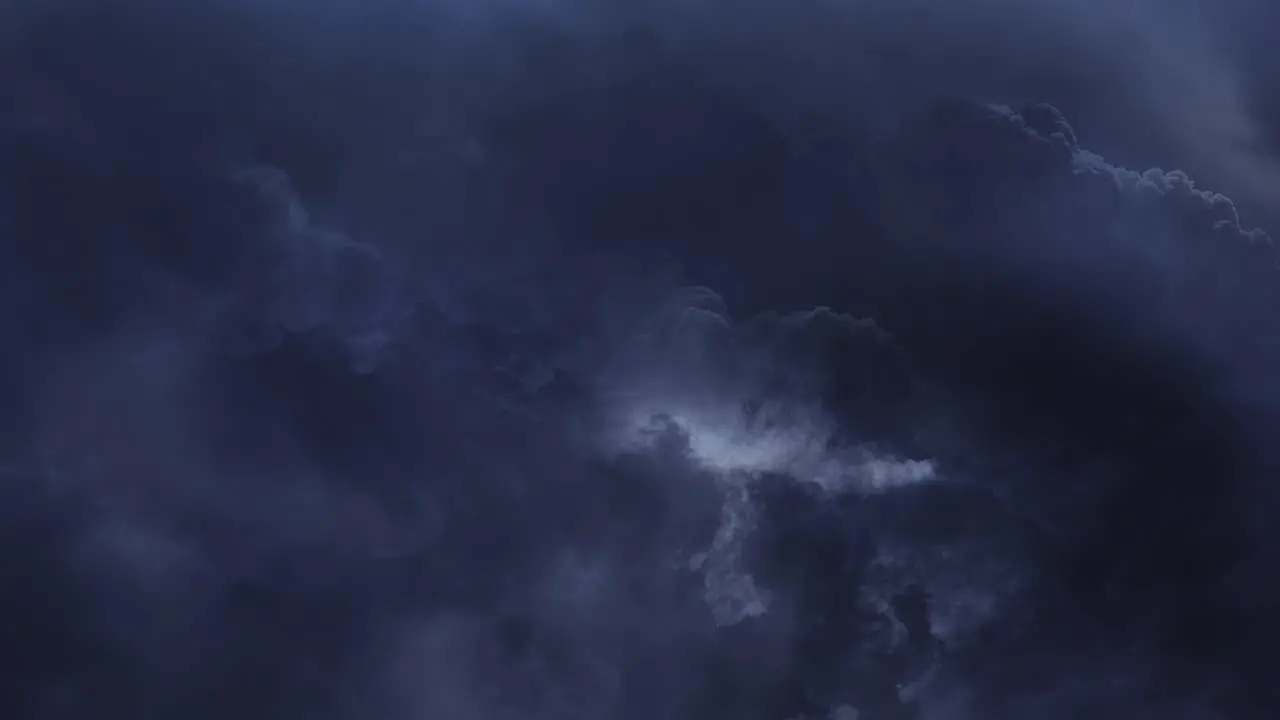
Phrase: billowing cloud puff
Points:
(753, 400)
(756, 398)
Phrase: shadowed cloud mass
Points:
(672, 360)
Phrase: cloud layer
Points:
(553, 360)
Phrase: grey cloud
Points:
(311, 278)
(432, 528)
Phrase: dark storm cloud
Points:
(354, 371)
(1148, 83)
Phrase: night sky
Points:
(664, 360)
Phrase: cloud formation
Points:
(564, 360)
